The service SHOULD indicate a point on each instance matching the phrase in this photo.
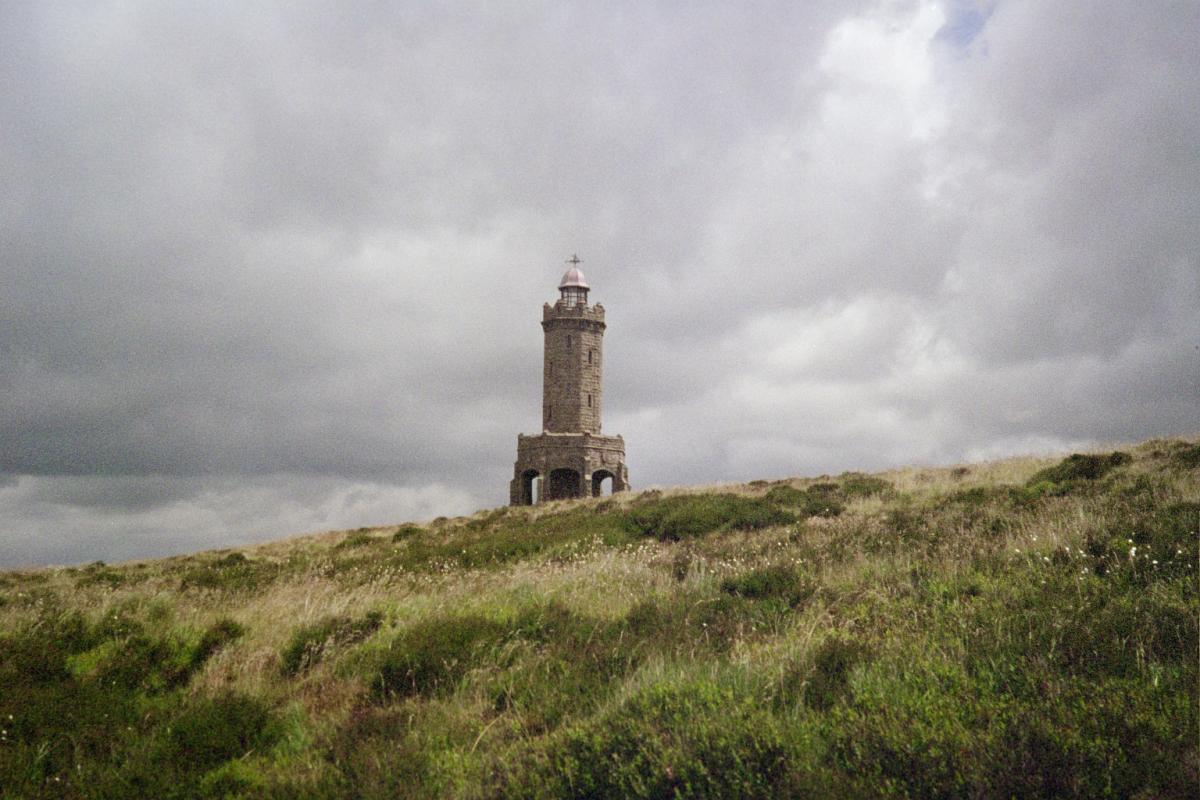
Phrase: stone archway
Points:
(531, 487)
(598, 479)
(563, 483)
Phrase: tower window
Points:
(589, 401)
(589, 356)
(568, 342)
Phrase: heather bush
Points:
(687, 516)
(309, 643)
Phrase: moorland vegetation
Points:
(1021, 628)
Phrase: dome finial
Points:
(574, 287)
(573, 277)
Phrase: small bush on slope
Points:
(231, 573)
(1077, 468)
(819, 500)
(779, 581)
(309, 643)
(687, 516)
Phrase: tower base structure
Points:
(566, 465)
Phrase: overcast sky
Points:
(274, 268)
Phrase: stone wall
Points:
(588, 457)
(572, 393)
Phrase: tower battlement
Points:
(570, 458)
(561, 310)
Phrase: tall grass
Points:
(1027, 628)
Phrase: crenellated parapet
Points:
(562, 310)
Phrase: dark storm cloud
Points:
(277, 268)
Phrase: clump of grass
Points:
(856, 484)
(1186, 456)
(230, 573)
(378, 754)
(99, 574)
(431, 656)
(1078, 467)
(819, 500)
(216, 636)
(829, 681)
(309, 643)
(211, 730)
(359, 538)
(507, 538)
(694, 739)
(688, 516)
(780, 581)
(406, 532)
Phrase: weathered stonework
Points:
(570, 458)
(571, 391)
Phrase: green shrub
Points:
(856, 484)
(211, 731)
(512, 538)
(686, 516)
(829, 681)
(359, 538)
(406, 532)
(216, 636)
(139, 663)
(231, 573)
(309, 643)
(97, 574)
(1186, 456)
(119, 623)
(681, 565)
(781, 581)
(374, 754)
(433, 655)
(1077, 467)
(785, 495)
(819, 500)
(696, 739)
(568, 664)
(974, 497)
(232, 780)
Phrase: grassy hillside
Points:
(1023, 628)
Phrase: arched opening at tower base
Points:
(531, 487)
(564, 483)
(602, 483)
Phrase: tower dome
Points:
(573, 278)
(573, 288)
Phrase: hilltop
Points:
(1021, 628)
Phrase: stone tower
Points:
(570, 458)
